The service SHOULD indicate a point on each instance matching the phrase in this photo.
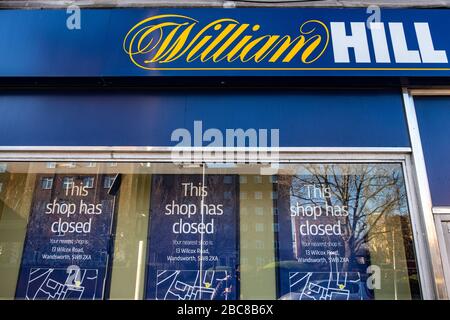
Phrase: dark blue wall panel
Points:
(433, 114)
(369, 118)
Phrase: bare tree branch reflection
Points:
(373, 193)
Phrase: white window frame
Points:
(442, 214)
(89, 186)
(47, 179)
(110, 179)
(64, 182)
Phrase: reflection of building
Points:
(67, 187)
(73, 207)
(391, 248)
(258, 235)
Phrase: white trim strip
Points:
(441, 210)
(236, 149)
(164, 154)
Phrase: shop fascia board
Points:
(220, 4)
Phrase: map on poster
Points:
(66, 253)
(193, 244)
(187, 285)
(332, 285)
(58, 284)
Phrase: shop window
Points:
(259, 227)
(51, 165)
(260, 261)
(343, 228)
(259, 211)
(227, 179)
(259, 244)
(69, 165)
(88, 182)
(47, 183)
(68, 182)
(108, 181)
(258, 179)
(275, 227)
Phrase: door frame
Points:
(440, 269)
(442, 214)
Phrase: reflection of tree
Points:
(373, 194)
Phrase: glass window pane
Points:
(89, 230)
(342, 227)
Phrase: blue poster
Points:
(193, 238)
(324, 226)
(65, 255)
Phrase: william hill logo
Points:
(159, 42)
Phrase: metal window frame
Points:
(442, 214)
(439, 267)
(164, 154)
(47, 186)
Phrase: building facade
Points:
(224, 150)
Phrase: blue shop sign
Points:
(224, 42)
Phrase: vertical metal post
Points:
(425, 206)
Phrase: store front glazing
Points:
(191, 154)
(343, 228)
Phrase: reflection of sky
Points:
(371, 200)
(383, 173)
